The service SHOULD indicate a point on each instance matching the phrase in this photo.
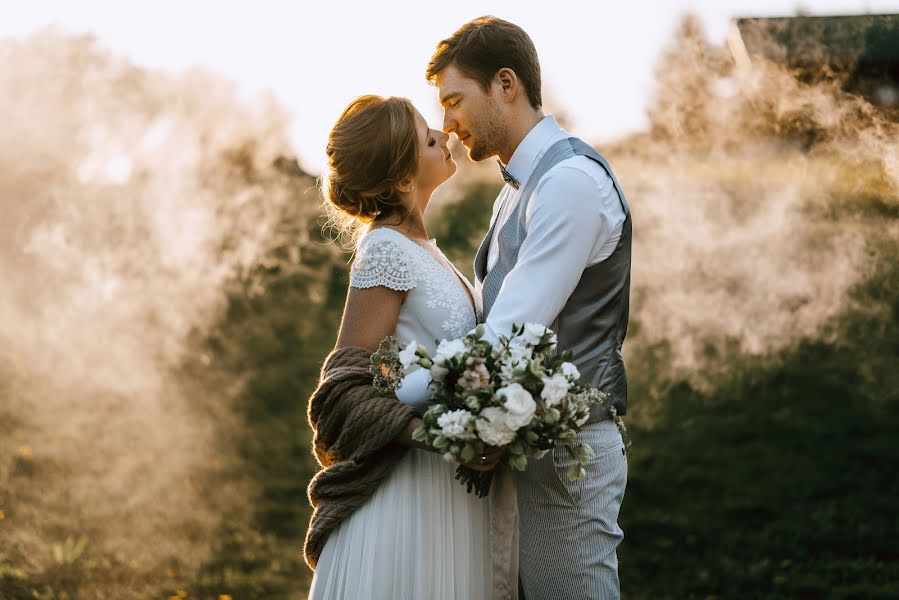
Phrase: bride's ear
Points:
(406, 185)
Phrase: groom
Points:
(558, 253)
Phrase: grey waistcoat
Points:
(593, 322)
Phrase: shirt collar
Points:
(522, 162)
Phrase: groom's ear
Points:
(509, 85)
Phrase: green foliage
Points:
(48, 593)
(251, 564)
(278, 340)
(460, 226)
(68, 552)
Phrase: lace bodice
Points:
(436, 307)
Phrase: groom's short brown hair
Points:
(485, 45)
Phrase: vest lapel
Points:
(480, 259)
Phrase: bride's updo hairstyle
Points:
(371, 149)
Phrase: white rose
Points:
(456, 425)
(450, 349)
(554, 389)
(570, 371)
(407, 355)
(518, 354)
(492, 427)
(533, 332)
(519, 404)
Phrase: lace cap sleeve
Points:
(381, 261)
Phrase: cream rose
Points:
(570, 371)
(519, 404)
(493, 428)
(554, 389)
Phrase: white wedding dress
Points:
(421, 535)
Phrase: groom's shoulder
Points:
(580, 170)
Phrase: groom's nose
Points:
(449, 125)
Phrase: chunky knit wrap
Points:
(353, 427)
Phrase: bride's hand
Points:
(486, 461)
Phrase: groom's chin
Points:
(478, 154)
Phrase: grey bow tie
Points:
(507, 177)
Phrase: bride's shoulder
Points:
(383, 257)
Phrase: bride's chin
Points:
(445, 179)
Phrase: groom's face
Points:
(471, 113)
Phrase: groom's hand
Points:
(490, 459)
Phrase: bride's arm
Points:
(369, 316)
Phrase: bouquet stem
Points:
(477, 481)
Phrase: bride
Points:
(420, 534)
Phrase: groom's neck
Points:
(519, 127)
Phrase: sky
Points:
(597, 57)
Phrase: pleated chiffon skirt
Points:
(421, 535)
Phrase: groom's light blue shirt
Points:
(574, 220)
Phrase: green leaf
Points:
(467, 453)
(519, 462)
(420, 435)
(553, 415)
(79, 547)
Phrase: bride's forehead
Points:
(421, 124)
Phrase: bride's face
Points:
(435, 162)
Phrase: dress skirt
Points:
(421, 535)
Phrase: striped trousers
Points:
(569, 530)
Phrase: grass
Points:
(781, 482)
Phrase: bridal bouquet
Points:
(520, 395)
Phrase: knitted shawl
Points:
(353, 427)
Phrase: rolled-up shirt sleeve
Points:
(566, 222)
